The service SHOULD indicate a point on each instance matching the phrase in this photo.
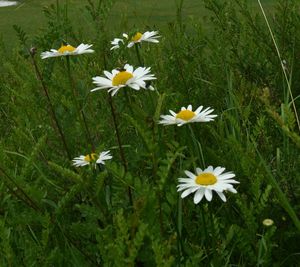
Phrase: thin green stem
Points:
(281, 63)
(26, 198)
(212, 225)
(198, 146)
(76, 245)
(160, 213)
(77, 106)
(204, 226)
(179, 14)
(179, 228)
(138, 54)
(51, 107)
(122, 154)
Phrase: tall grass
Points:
(128, 213)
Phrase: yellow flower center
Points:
(136, 37)
(121, 78)
(206, 179)
(90, 157)
(66, 48)
(185, 115)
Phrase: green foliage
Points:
(127, 212)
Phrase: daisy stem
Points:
(122, 154)
(212, 222)
(51, 107)
(204, 224)
(179, 227)
(138, 55)
(161, 225)
(77, 106)
(198, 146)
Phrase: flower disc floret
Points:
(206, 179)
(90, 157)
(121, 78)
(66, 48)
(185, 115)
(137, 37)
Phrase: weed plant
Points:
(128, 212)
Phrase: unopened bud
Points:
(33, 51)
(268, 222)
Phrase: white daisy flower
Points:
(187, 115)
(203, 183)
(68, 50)
(136, 79)
(143, 37)
(91, 158)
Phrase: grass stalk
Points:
(179, 14)
(281, 63)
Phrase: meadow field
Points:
(176, 144)
(29, 14)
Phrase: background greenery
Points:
(123, 15)
(213, 53)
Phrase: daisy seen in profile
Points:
(204, 182)
(119, 78)
(88, 159)
(149, 36)
(116, 42)
(187, 115)
(68, 50)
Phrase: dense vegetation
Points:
(128, 212)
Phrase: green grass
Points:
(128, 212)
(124, 15)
